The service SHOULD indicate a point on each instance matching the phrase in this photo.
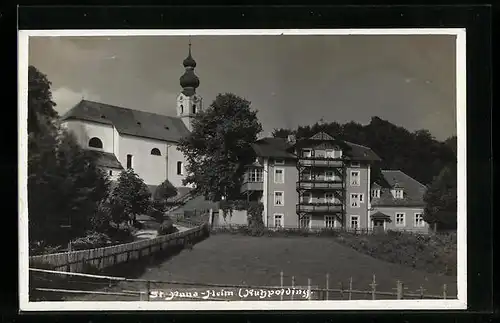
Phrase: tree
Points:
(441, 199)
(164, 191)
(64, 184)
(129, 198)
(219, 146)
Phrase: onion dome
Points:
(189, 79)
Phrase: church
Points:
(124, 138)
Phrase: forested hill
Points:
(418, 153)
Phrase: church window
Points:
(182, 108)
(194, 108)
(156, 152)
(95, 143)
(110, 173)
(179, 168)
(129, 161)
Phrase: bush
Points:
(91, 241)
(121, 233)
(167, 227)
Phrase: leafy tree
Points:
(441, 199)
(64, 184)
(219, 146)
(129, 198)
(164, 191)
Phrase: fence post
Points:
(444, 291)
(373, 285)
(341, 290)
(281, 284)
(421, 292)
(327, 286)
(399, 289)
(350, 288)
(293, 286)
(148, 290)
(309, 288)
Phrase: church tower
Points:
(188, 102)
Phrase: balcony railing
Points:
(319, 184)
(252, 186)
(319, 207)
(320, 162)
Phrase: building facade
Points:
(125, 138)
(322, 182)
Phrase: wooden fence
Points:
(100, 258)
(284, 291)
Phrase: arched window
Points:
(179, 168)
(194, 108)
(156, 152)
(182, 109)
(95, 143)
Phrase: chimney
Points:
(291, 139)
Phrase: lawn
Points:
(237, 259)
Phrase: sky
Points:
(291, 80)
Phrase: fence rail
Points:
(285, 290)
(100, 258)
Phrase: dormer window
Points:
(355, 164)
(375, 193)
(398, 193)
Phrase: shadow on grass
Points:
(132, 270)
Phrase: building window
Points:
(355, 164)
(129, 161)
(330, 221)
(419, 220)
(194, 108)
(329, 198)
(305, 222)
(355, 178)
(306, 175)
(279, 175)
(279, 162)
(361, 198)
(330, 153)
(110, 173)
(398, 194)
(400, 219)
(337, 152)
(255, 175)
(355, 199)
(376, 193)
(307, 197)
(306, 153)
(182, 108)
(354, 221)
(156, 152)
(179, 168)
(278, 220)
(329, 176)
(278, 198)
(319, 153)
(95, 143)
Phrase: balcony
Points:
(319, 185)
(320, 162)
(319, 207)
(252, 186)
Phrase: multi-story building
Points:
(322, 182)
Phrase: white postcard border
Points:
(459, 303)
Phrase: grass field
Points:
(237, 259)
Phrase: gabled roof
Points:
(380, 216)
(130, 122)
(270, 147)
(413, 192)
(322, 136)
(105, 159)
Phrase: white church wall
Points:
(175, 156)
(151, 168)
(85, 130)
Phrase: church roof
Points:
(130, 122)
(413, 193)
(106, 159)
